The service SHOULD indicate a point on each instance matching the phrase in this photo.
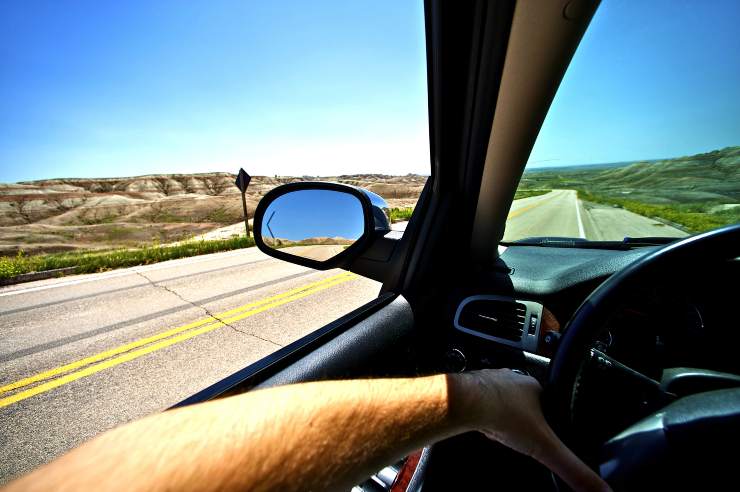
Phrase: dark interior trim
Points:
(466, 52)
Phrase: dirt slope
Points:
(66, 214)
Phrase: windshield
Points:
(642, 137)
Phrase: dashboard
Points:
(687, 321)
(691, 325)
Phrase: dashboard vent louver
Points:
(498, 318)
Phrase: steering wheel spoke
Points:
(578, 369)
(644, 455)
(609, 396)
(652, 390)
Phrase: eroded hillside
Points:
(66, 214)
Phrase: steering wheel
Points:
(679, 441)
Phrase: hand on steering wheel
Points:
(506, 407)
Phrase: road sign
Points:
(242, 180)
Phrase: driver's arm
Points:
(312, 436)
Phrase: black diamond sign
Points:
(242, 180)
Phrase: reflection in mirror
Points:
(313, 224)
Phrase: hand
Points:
(505, 406)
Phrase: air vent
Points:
(502, 319)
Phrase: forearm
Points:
(314, 436)
(307, 437)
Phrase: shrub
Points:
(400, 214)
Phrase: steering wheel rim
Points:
(591, 315)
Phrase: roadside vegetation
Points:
(400, 214)
(529, 193)
(99, 261)
(694, 217)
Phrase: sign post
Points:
(242, 181)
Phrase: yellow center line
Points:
(168, 333)
(135, 354)
(526, 208)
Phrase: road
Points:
(561, 213)
(79, 355)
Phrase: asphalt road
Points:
(561, 213)
(79, 355)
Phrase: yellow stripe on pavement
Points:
(174, 331)
(61, 381)
(526, 208)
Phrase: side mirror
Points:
(319, 225)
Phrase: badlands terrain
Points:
(68, 214)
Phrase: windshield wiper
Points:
(650, 241)
(575, 242)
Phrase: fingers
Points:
(516, 420)
(569, 467)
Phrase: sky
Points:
(102, 89)
(314, 213)
(650, 79)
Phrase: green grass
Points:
(528, 193)
(400, 214)
(96, 261)
(694, 217)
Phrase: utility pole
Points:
(242, 182)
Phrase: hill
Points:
(67, 214)
(696, 193)
(709, 177)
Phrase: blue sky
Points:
(650, 79)
(102, 88)
(95, 89)
(293, 216)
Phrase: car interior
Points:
(634, 342)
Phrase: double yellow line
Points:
(81, 368)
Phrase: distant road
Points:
(79, 355)
(561, 213)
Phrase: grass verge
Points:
(400, 214)
(528, 193)
(96, 261)
(694, 217)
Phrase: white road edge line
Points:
(578, 217)
(120, 273)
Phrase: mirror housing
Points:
(305, 222)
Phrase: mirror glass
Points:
(313, 224)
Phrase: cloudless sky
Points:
(650, 79)
(119, 88)
(98, 88)
(314, 213)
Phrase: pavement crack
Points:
(202, 308)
